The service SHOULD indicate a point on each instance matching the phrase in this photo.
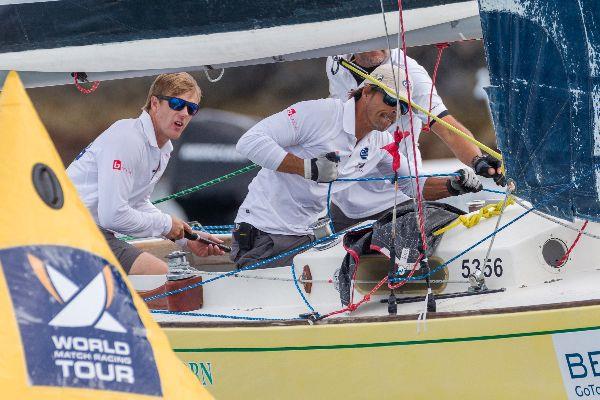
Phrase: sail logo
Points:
(83, 307)
(77, 321)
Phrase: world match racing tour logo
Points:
(77, 321)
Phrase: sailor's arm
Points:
(464, 150)
(116, 173)
(264, 144)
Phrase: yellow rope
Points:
(472, 219)
(452, 128)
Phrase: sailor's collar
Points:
(349, 120)
(148, 128)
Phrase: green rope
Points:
(207, 184)
(198, 187)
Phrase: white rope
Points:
(553, 219)
(213, 80)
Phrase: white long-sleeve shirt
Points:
(116, 174)
(368, 198)
(282, 203)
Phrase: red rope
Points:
(566, 256)
(366, 298)
(83, 89)
(440, 47)
(414, 146)
(354, 306)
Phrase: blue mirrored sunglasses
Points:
(392, 101)
(177, 104)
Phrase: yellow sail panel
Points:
(72, 326)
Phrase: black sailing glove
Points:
(481, 164)
(465, 182)
(322, 169)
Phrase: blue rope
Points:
(293, 268)
(329, 208)
(393, 280)
(191, 314)
(391, 177)
(251, 266)
(218, 227)
(493, 191)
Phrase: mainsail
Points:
(544, 63)
(47, 40)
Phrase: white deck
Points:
(527, 278)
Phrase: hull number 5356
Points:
(469, 266)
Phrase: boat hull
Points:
(546, 352)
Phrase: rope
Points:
(483, 239)
(193, 314)
(207, 184)
(566, 256)
(472, 219)
(555, 220)
(302, 281)
(258, 264)
(440, 47)
(213, 80)
(82, 88)
(420, 214)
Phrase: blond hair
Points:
(172, 85)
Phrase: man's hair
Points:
(356, 93)
(172, 85)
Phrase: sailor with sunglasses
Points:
(116, 174)
(370, 200)
(303, 148)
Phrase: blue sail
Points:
(544, 63)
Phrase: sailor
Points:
(307, 145)
(116, 174)
(350, 206)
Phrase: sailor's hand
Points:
(202, 249)
(465, 182)
(322, 169)
(178, 226)
(489, 167)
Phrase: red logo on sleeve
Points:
(117, 164)
(292, 116)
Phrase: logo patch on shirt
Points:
(291, 112)
(117, 164)
(364, 153)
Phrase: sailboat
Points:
(519, 317)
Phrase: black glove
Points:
(481, 164)
(322, 169)
(466, 182)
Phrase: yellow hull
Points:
(471, 356)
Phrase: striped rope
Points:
(207, 184)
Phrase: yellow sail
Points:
(72, 327)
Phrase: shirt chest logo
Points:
(364, 153)
(117, 165)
